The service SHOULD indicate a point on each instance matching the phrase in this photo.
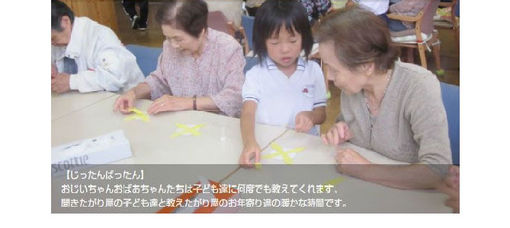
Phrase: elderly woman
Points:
(199, 68)
(387, 106)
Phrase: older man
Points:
(87, 56)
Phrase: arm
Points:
(251, 96)
(231, 76)
(426, 115)
(142, 91)
(251, 149)
(126, 101)
(114, 69)
(414, 176)
(319, 115)
(305, 120)
(170, 103)
(248, 122)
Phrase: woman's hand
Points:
(350, 162)
(337, 134)
(450, 186)
(125, 102)
(350, 157)
(304, 121)
(250, 151)
(168, 103)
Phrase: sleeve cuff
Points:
(319, 104)
(250, 99)
(73, 81)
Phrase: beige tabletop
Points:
(219, 142)
(315, 164)
(66, 103)
(151, 142)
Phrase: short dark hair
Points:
(190, 17)
(359, 37)
(58, 10)
(271, 17)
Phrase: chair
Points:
(422, 36)
(450, 96)
(146, 57)
(250, 62)
(449, 21)
(217, 21)
(247, 33)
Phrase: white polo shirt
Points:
(280, 98)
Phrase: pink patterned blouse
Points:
(217, 73)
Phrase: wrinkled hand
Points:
(250, 151)
(168, 103)
(125, 102)
(54, 71)
(337, 134)
(60, 83)
(450, 186)
(304, 121)
(350, 162)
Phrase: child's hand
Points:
(250, 151)
(304, 121)
(125, 102)
(338, 134)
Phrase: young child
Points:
(283, 89)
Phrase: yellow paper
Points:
(137, 115)
(284, 154)
(183, 129)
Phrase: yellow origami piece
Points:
(183, 129)
(138, 115)
(333, 182)
(284, 154)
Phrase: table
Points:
(316, 165)
(151, 143)
(215, 152)
(63, 104)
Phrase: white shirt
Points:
(377, 7)
(103, 62)
(280, 98)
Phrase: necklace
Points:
(375, 110)
(370, 117)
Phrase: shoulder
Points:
(416, 87)
(257, 71)
(414, 77)
(223, 41)
(313, 70)
(312, 66)
(101, 32)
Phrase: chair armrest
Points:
(405, 18)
